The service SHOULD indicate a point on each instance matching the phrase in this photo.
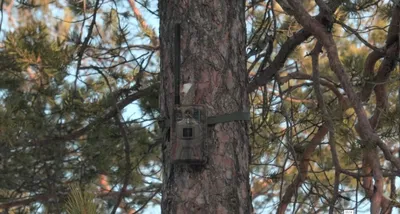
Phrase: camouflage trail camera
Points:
(188, 140)
(190, 121)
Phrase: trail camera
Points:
(188, 145)
(190, 122)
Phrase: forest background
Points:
(79, 106)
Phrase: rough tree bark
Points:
(213, 73)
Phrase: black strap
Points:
(224, 118)
(235, 116)
(177, 65)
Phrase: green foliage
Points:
(45, 102)
(81, 7)
(150, 104)
(80, 202)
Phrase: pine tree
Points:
(213, 71)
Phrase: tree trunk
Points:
(213, 73)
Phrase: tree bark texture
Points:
(213, 73)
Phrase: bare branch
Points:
(287, 48)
